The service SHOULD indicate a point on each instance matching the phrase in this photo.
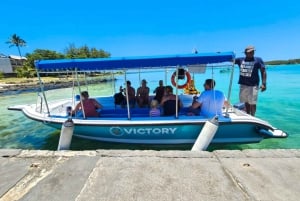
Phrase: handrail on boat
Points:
(43, 92)
(39, 101)
(230, 86)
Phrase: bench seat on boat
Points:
(134, 112)
(122, 112)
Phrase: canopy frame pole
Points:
(127, 98)
(73, 89)
(140, 77)
(176, 109)
(214, 90)
(166, 76)
(78, 83)
(86, 81)
(43, 92)
(113, 82)
(230, 85)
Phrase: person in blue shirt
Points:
(249, 78)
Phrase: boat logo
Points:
(117, 131)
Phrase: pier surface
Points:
(149, 175)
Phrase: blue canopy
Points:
(133, 62)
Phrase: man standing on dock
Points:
(249, 78)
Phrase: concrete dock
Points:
(125, 175)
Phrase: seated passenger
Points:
(159, 91)
(210, 101)
(193, 110)
(119, 97)
(88, 105)
(142, 95)
(154, 111)
(131, 94)
(168, 102)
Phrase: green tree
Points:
(16, 41)
(85, 52)
(40, 54)
(283, 62)
(28, 69)
(71, 51)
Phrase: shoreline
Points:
(17, 88)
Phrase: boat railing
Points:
(55, 108)
(39, 104)
(134, 112)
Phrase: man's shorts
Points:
(248, 94)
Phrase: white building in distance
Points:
(9, 63)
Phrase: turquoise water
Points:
(279, 105)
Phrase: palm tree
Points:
(16, 41)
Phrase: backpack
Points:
(119, 98)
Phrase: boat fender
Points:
(188, 80)
(275, 133)
(66, 134)
(206, 135)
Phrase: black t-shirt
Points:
(119, 98)
(249, 70)
(159, 93)
(170, 107)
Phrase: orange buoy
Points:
(188, 80)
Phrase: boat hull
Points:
(177, 133)
(133, 124)
(114, 125)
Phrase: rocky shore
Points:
(16, 88)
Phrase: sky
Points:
(156, 27)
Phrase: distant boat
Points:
(133, 125)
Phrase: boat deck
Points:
(111, 111)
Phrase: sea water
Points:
(279, 105)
